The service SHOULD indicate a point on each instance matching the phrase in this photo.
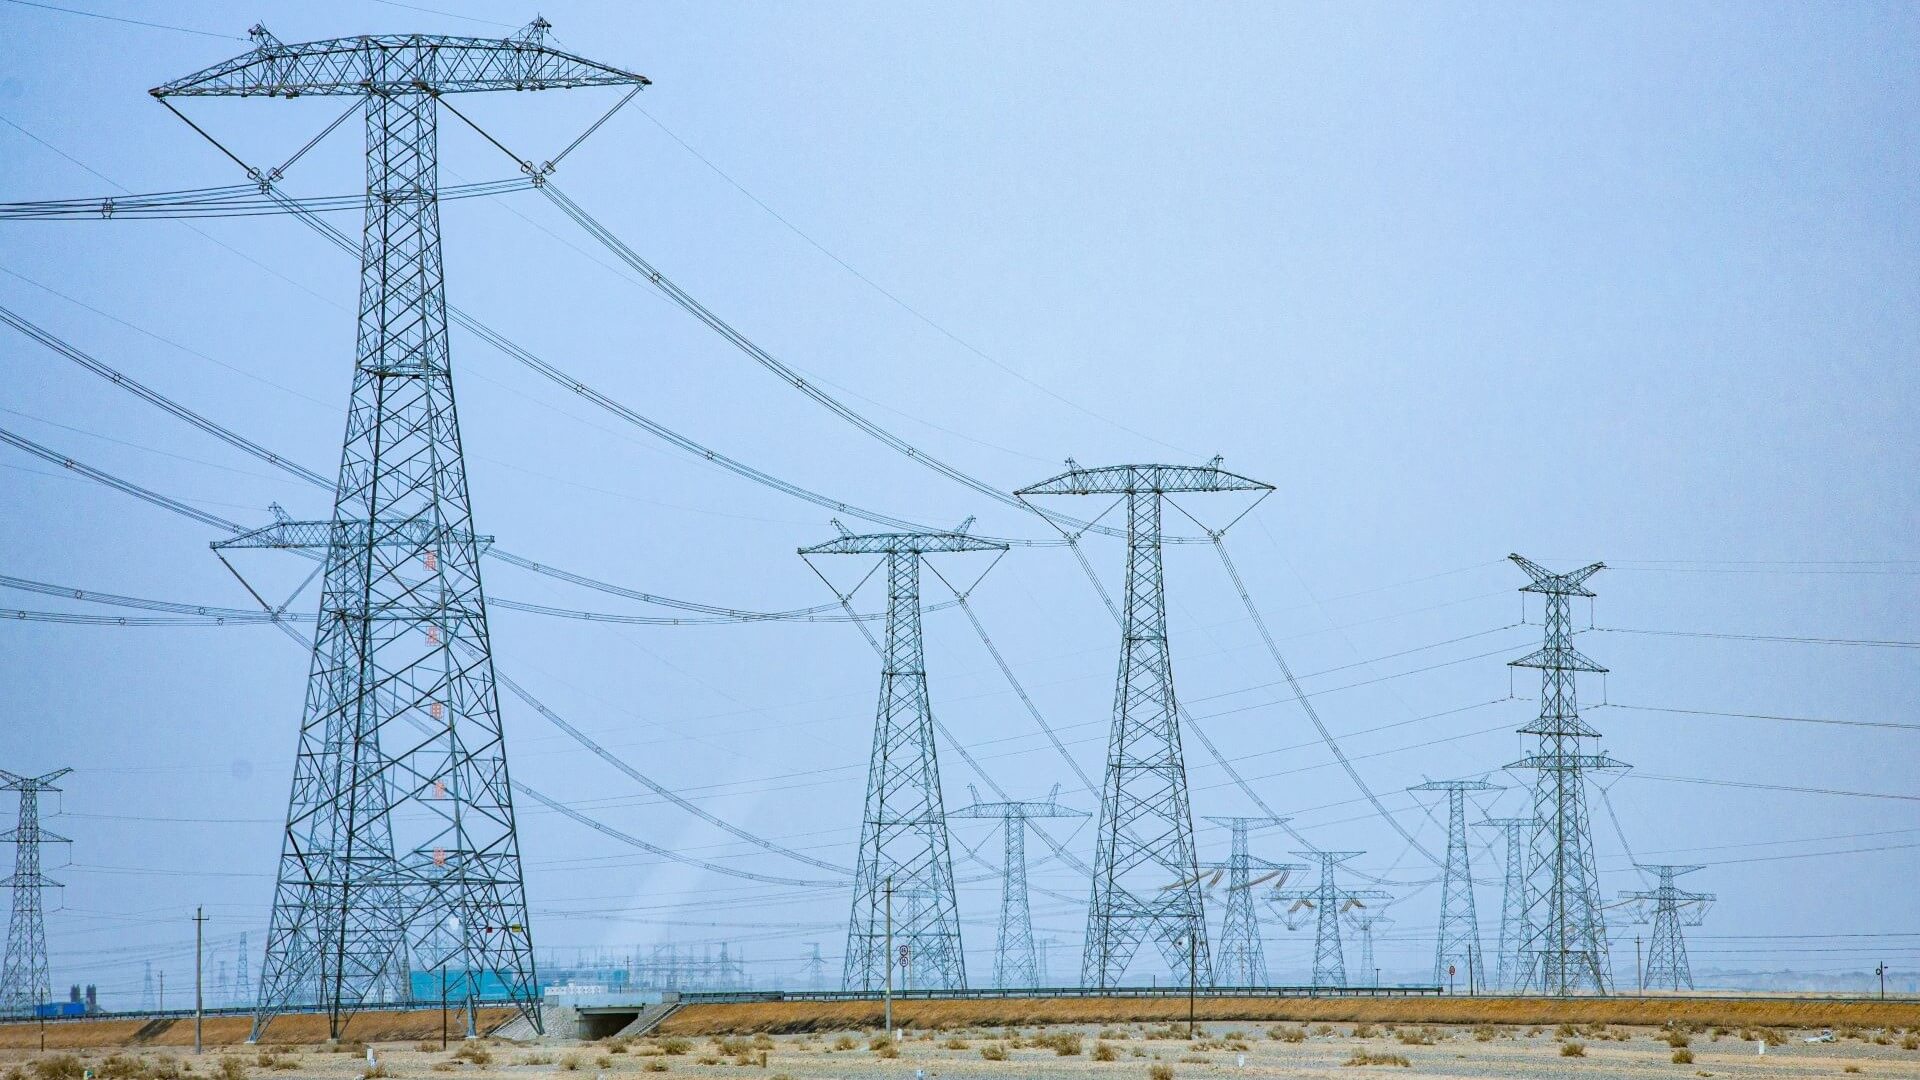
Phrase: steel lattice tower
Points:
(1328, 902)
(1459, 937)
(1146, 825)
(903, 831)
(242, 980)
(1016, 963)
(1667, 966)
(816, 968)
(1241, 959)
(400, 848)
(1566, 948)
(25, 980)
(1366, 924)
(1510, 961)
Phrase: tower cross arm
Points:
(359, 66)
(893, 543)
(1572, 583)
(12, 781)
(1125, 479)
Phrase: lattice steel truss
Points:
(25, 981)
(1459, 937)
(1241, 959)
(1673, 908)
(1145, 840)
(1329, 904)
(1016, 963)
(1365, 923)
(903, 831)
(400, 849)
(1510, 963)
(1566, 949)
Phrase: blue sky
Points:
(1632, 283)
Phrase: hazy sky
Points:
(1621, 283)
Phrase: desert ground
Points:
(1150, 1051)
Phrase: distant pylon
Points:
(1566, 950)
(1328, 902)
(816, 968)
(1365, 923)
(400, 846)
(1458, 944)
(1667, 966)
(1240, 959)
(1510, 962)
(1145, 838)
(904, 854)
(25, 980)
(1015, 961)
(146, 986)
(242, 981)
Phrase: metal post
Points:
(1882, 972)
(889, 957)
(473, 1018)
(199, 1003)
(443, 1005)
(1639, 980)
(1193, 977)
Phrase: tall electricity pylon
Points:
(1366, 923)
(903, 833)
(25, 981)
(816, 968)
(1566, 948)
(242, 980)
(1146, 825)
(400, 846)
(1667, 966)
(1511, 960)
(1015, 961)
(1459, 937)
(1328, 902)
(1241, 959)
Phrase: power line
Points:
(122, 19)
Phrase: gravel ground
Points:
(1223, 1050)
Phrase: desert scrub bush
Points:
(1323, 1029)
(1063, 1043)
(844, 1042)
(955, 1044)
(1678, 1040)
(654, 1064)
(1115, 1034)
(1103, 1052)
(1292, 1034)
(1362, 1057)
(1565, 1031)
(680, 1046)
(1159, 1070)
(994, 1052)
(1683, 1056)
(706, 1059)
(604, 1061)
(1364, 1031)
(1851, 1069)
(570, 1062)
(878, 1042)
(886, 1049)
(231, 1068)
(1573, 1049)
(444, 1066)
(1483, 1032)
(1421, 1037)
(58, 1067)
(474, 1053)
(1911, 1042)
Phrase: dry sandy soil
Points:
(1313, 1051)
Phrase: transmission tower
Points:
(1511, 960)
(1146, 825)
(25, 981)
(903, 832)
(1366, 923)
(1328, 902)
(400, 846)
(146, 986)
(1673, 908)
(242, 981)
(1566, 948)
(816, 968)
(1241, 960)
(1459, 938)
(1015, 961)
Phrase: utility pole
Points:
(1673, 907)
(400, 813)
(1145, 836)
(1241, 959)
(199, 997)
(26, 981)
(1639, 978)
(1015, 961)
(903, 831)
(1328, 902)
(1567, 946)
(1881, 971)
(1459, 936)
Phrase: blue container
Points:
(53, 1009)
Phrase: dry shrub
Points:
(955, 1044)
(1159, 1070)
(231, 1068)
(1851, 1069)
(443, 1066)
(1683, 1056)
(58, 1067)
(1911, 1042)
(603, 1062)
(886, 1049)
(474, 1053)
(1423, 1037)
(1063, 1043)
(1115, 1034)
(879, 1043)
(1103, 1052)
(1678, 1040)
(706, 1059)
(1573, 1049)
(1565, 1031)
(994, 1052)
(844, 1042)
(763, 1041)
(122, 1067)
(1364, 1031)
(537, 1058)
(1285, 1033)
(1195, 1059)
(1362, 1057)
(1483, 1032)
(654, 1064)
(570, 1062)
(1323, 1029)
